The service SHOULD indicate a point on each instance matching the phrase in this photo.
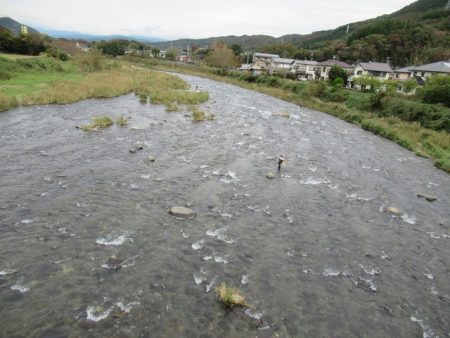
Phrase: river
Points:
(88, 248)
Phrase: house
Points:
(305, 69)
(250, 68)
(381, 71)
(263, 60)
(183, 58)
(402, 74)
(323, 68)
(162, 54)
(436, 68)
(280, 66)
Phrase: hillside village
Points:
(310, 70)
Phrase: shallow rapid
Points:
(88, 248)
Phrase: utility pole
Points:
(448, 5)
(348, 26)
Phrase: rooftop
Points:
(331, 63)
(264, 55)
(376, 67)
(306, 62)
(284, 61)
(437, 67)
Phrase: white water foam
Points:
(7, 272)
(215, 233)
(27, 221)
(253, 314)
(211, 284)
(244, 280)
(409, 219)
(312, 168)
(145, 177)
(314, 181)
(331, 272)
(198, 245)
(127, 307)
(220, 259)
(427, 332)
(114, 240)
(198, 278)
(370, 271)
(20, 287)
(96, 316)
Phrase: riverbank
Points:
(425, 142)
(43, 80)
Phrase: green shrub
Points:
(359, 101)
(437, 90)
(314, 89)
(428, 115)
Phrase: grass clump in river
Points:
(199, 115)
(122, 121)
(98, 123)
(230, 296)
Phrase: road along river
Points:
(88, 248)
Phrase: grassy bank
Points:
(45, 80)
(403, 124)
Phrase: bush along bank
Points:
(419, 127)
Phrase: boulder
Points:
(394, 210)
(181, 211)
(429, 198)
(270, 175)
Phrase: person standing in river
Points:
(280, 162)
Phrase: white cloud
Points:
(195, 18)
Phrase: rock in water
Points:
(151, 159)
(270, 175)
(181, 211)
(394, 210)
(429, 198)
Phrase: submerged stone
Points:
(181, 211)
(429, 198)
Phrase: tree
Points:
(113, 47)
(337, 72)
(437, 90)
(237, 49)
(222, 56)
(155, 52)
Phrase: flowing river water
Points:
(88, 248)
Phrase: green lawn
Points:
(33, 82)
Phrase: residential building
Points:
(250, 68)
(381, 71)
(305, 69)
(436, 68)
(280, 66)
(402, 74)
(323, 68)
(263, 60)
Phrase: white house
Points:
(436, 68)
(402, 74)
(305, 69)
(381, 71)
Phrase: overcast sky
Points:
(173, 19)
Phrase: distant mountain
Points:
(414, 12)
(93, 37)
(14, 26)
